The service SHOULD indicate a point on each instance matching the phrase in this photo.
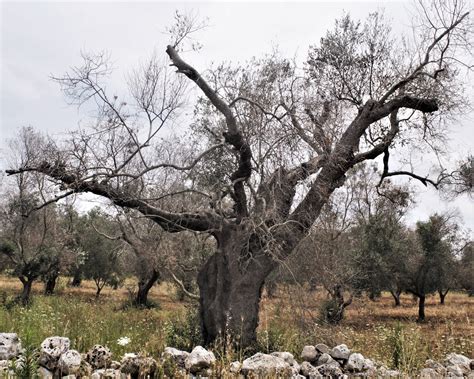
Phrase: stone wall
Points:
(57, 360)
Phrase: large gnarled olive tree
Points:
(269, 143)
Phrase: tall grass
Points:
(288, 322)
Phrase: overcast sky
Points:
(43, 38)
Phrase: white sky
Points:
(39, 39)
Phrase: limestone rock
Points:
(85, 369)
(324, 358)
(138, 366)
(265, 365)
(290, 359)
(461, 361)
(340, 352)
(355, 363)
(99, 357)
(44, 373)
(287, 357)
(454, 371)
(428, 373)
(115, 365)
(385, 373)
(10, 346)
(331, 370)
(235, 367)
(69, 362)
(109, 373)
(309, 371)
(174, 355)
(322, 348)
(199, 359)
(309, 354)
(51, 349)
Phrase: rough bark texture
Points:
(230, 285)
(144, 286)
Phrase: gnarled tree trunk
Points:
(230, 285)
(144, 286)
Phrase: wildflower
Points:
(122, 341)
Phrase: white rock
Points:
(340, 352)
(309, 371)
(331, 370)
(356, 362)
(69, 362)
(106, 374)
(10, 346)
(235, 367)
(265, 365)
(138, 365)
(454, 371)
(428, 373)
(51, 349)
(309, 354)
(286, 356)
(386, 373)
(99, 357)
(322, 348)
(460, 361)
(175, 355)
(324, 358)
(199, 359)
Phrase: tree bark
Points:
(396, 296)
(230, 285)
(442, 296)
(25, 296)
(144, 286)
(421, 307)
(50, 284)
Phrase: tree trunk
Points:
(50, 285)
(76, 279)
(230, 286)
(421, 308)
(144, 286)
(396, 296)
(25, 296)
(442, 296)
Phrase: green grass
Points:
(376, 329)
(88, 323)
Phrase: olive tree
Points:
(273, 139)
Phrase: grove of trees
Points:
(271, 150)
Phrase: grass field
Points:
(287, 322)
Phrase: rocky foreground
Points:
(56, 360)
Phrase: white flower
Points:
(122, 341)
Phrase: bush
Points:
(184, 331)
